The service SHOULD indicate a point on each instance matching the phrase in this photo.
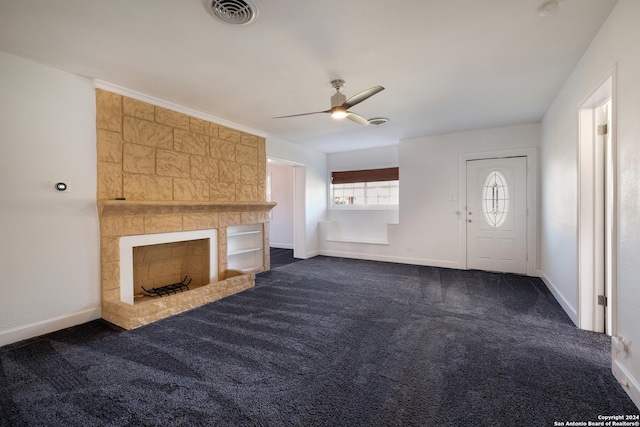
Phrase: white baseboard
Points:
(20, 333)
(281, 245)
(398, 260)
(566, 305)
(311, 254)
(629, 384)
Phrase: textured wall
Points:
(146, 152)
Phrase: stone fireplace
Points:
(173, 190)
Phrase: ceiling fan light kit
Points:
(340, 104)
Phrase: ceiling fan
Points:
(340, 104)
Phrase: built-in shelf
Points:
(245, 247)
(244, 233)
(244, 251)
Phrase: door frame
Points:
(531, 155)
(589, 253)
(299, 197)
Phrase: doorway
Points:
(597, 239)
(280, 189)
(496, 215)
(290, 211)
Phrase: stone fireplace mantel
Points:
(125, 207)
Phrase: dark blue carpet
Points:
(326, 342)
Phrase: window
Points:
(371, 187)
(495, 200)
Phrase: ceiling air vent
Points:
(234, 12)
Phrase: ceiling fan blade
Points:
(356, 118)
(303, 114)
(356, 99)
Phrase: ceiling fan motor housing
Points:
(338, 99)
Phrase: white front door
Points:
(496, 215)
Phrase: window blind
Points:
(366, 175)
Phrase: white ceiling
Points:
(447, 65)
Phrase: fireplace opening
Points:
(168, 268)
(163, 260)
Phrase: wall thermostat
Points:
(60, 186)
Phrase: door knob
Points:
(468, 220)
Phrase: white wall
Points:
(616, 43)
(49, 268)
(310, 187)
(428, 231)
(281, 221)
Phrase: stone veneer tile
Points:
(139, 109)
(109, 180)
(189, 142)
(146, 187)
(132, 225)
(169, 267)
(190, 189)
(170, 163)
(262, 193)
(249, 139)
(109, 249)
(110, 226)
(263, 217)
(246, 155)
(172, 118)
(222, 192)
(109, 146)
(221, 149)
(249, 174)
(228, 172)
(204, 168)
(147, 133)
(110, 275)
(108, 111)
(139, 159)
(110, 294)
(246, 193)
(162, 223)
(199, 221)
(199, 126)
(228, 134)
(213, 129)
(230, 218)
(249, 217)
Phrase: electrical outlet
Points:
(410, 250)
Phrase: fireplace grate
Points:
(169, 289)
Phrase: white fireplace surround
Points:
(127, 243)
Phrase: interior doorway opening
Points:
(286, 187)
(597, 233)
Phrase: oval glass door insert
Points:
(495, 199)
